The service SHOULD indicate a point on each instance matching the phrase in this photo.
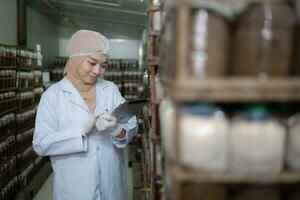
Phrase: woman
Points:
(74, 127)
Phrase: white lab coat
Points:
(85, 168)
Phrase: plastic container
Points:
(167, 122)
(264, 39)
(210, 49)
(203, 136)
(293, 143)
(257, 142)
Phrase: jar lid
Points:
(203, 109)
(256, 112)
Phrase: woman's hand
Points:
(107, 122)
(89, 126)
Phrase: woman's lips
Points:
(93, 76)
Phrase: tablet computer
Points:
(128, 109)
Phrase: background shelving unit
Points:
(19, 163)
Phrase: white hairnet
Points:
(85, 43)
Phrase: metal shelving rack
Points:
(183, 89)
(154, 133)
(8, 107)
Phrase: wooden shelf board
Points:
(185, 175)
(8, 111)
(235, 89)
(8, 67)
(26, 68)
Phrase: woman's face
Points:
(91, 68)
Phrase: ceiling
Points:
(114, 18)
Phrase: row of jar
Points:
(7, 165)
(7, 170)
(38, 163)
(126, 76)
(8, 105)
(38, 77)
(113, 75)
(7, 147)
(133, 88)
(26, 119)
(56, 75)
(131, 96)
(7, 95)
(25, 115)
(26, 175)
(38, 93)
(10, 190)
(25, 138)
(122, 64)
(134, 76)
(7, 119)
(26, 75)
(60, 61)
(38, 90)
(7, 73)
(25, 95)
(257, 39)
(26, 157)
(7, 125)
(25, 79)
(253, 141)
(8, 83)
(12, 56)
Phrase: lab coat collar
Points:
(66, 86)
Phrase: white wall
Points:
(64, 35)
(8, 22)
(124, 49)
(43, 31)
(39, 29)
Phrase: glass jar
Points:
(2, 56)
(293, 143)
(203, 136)
(257, 142)
(264, 39)
(210, 49)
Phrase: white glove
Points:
(89, 126)
(107, 122)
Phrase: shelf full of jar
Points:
(236, 149)
(224, 57)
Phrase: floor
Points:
(46, 191)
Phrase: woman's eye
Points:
(92, 63)
(104, 66)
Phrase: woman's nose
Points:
(96, 70)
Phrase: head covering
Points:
(86, 43)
